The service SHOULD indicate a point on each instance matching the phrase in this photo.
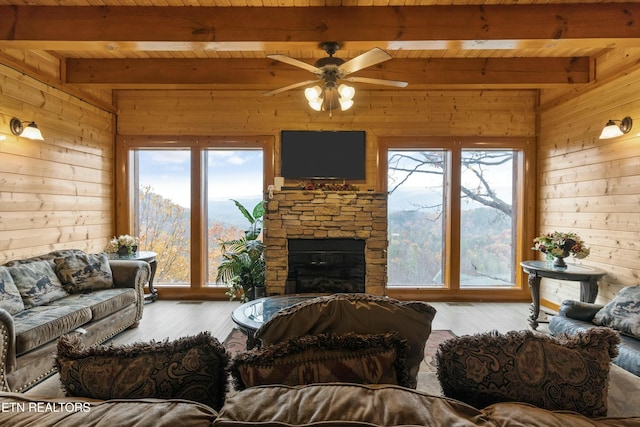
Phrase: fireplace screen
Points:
(326, 266)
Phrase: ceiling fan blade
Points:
(377, 81)
(367, 59)
(293, 86)
(295, 63)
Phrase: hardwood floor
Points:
(173, 319)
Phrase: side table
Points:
(151, 259)
(587, 276)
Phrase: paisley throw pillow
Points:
(556, 373)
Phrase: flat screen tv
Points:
(323, 154)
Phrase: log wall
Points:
(592, 186)
(56, 193)
(378, 112)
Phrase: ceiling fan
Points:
(331, 69)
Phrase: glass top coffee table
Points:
(253, 314)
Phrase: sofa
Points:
(62, 292)
(329, 404)
(622, 314)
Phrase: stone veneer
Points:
(321, 215)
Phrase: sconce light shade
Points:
(612, 130)
(30, 131)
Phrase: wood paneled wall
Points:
(592, 186)
(56, 193)
(378, 112)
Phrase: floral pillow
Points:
(349, 357)
(10, 298)
(84, 272)
(556, 373)
(622, 313)
(37, 283)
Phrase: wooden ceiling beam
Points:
(252, 28)
(269, 74)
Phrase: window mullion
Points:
(452, 235)
(198, 218)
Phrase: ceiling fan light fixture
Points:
(345, 105)
(346, 92)
(316, 104)
(313, 93)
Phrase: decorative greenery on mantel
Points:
(327, 186)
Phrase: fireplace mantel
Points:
(325, 215)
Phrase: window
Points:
(177, 198)
(416, 208)
(231, 175)
(487, 233)
(455, 213)
(163, 211)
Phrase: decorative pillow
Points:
(555, 373)
(10, 298)
(622, 312)
(37, 283)
(353, 358)
(357, 313)
(84, 272)
(193, 368)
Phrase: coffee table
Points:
(253, 314)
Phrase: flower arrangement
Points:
(561, 245)
(123, 245)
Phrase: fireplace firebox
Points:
(326, 266)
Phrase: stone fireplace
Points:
(339, 242)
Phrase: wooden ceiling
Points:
(225, 43)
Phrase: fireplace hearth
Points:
(326, 266)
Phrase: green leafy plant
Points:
(242, 267)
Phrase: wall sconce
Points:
(30, 131)
(612, 130)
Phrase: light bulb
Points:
(316, 104)
(312, 93)
(346, 92)
(345, 105)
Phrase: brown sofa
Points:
(35, 316)
(331, 404)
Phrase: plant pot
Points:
(558, 262)
(260, 292)
(125, 250)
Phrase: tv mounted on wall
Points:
(322, 154)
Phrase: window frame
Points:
(198, 145)
(525, 212)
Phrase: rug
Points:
(236, 342)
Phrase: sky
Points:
(237, 174)
(167, 172)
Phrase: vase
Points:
(558, 262)
(127, 250)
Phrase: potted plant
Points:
(242, 266)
